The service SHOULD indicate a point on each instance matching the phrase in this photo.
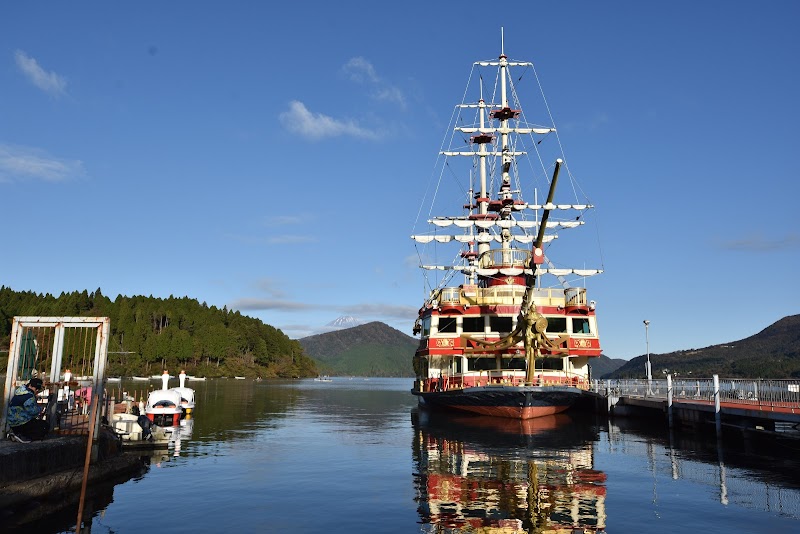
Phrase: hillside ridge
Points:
(774, 352)
(370, 349)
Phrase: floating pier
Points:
(747, 404)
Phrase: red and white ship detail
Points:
(504, 330)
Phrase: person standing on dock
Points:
(24, 412)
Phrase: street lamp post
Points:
(647, 365)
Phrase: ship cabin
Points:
(457, 323)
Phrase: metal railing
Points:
(501, 294)
(783, 393)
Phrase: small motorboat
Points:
(130, 429)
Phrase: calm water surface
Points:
(355, 455)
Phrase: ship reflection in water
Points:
(486, 474)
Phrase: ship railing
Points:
(561, 378)
(450, 295)
(504, 377)
(762, 392)
(499, 295)
(575, 296)
(505, 258)
(487, 296)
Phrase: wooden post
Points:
(717, 419)
(92, 419)
(669, 399)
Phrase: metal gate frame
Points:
(60, 324)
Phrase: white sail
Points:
(564, 272)
(511, 271)
(540, 131)
(579, 207)
(501, 223)
(587, 272)
(479, 238)
(508, 63)
(471, 153)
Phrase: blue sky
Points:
(272, 158)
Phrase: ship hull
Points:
(516, 402)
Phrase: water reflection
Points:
(492, 475)
(743, 469)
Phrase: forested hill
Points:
(772, 353)
(372, 349)
(173, 333)
(604, 365)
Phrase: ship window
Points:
(420, 366)
(426, 326)
(550, 364)
(472, 324)
(580, 325)
(556, 324)
(500, 324)
(482, 364)
(514, 363)
(447, 324)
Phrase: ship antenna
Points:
(502, 42)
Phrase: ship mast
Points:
(505, 187)
(535, 323)
(483, 194)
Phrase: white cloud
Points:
(759, 243)
(49, 82)
(384, 311)
(390, 94)
(25, 163)
(289, 239)
(387, 313)
(253, 304)
(284, 220)
(270, 287)
(315, 126)
(279, 239)
(359, 70)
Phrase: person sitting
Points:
(24, 412)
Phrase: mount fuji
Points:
(345, 321)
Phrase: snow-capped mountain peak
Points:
(345, 321)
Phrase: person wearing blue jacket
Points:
(24, 412)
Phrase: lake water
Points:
(355, 455)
